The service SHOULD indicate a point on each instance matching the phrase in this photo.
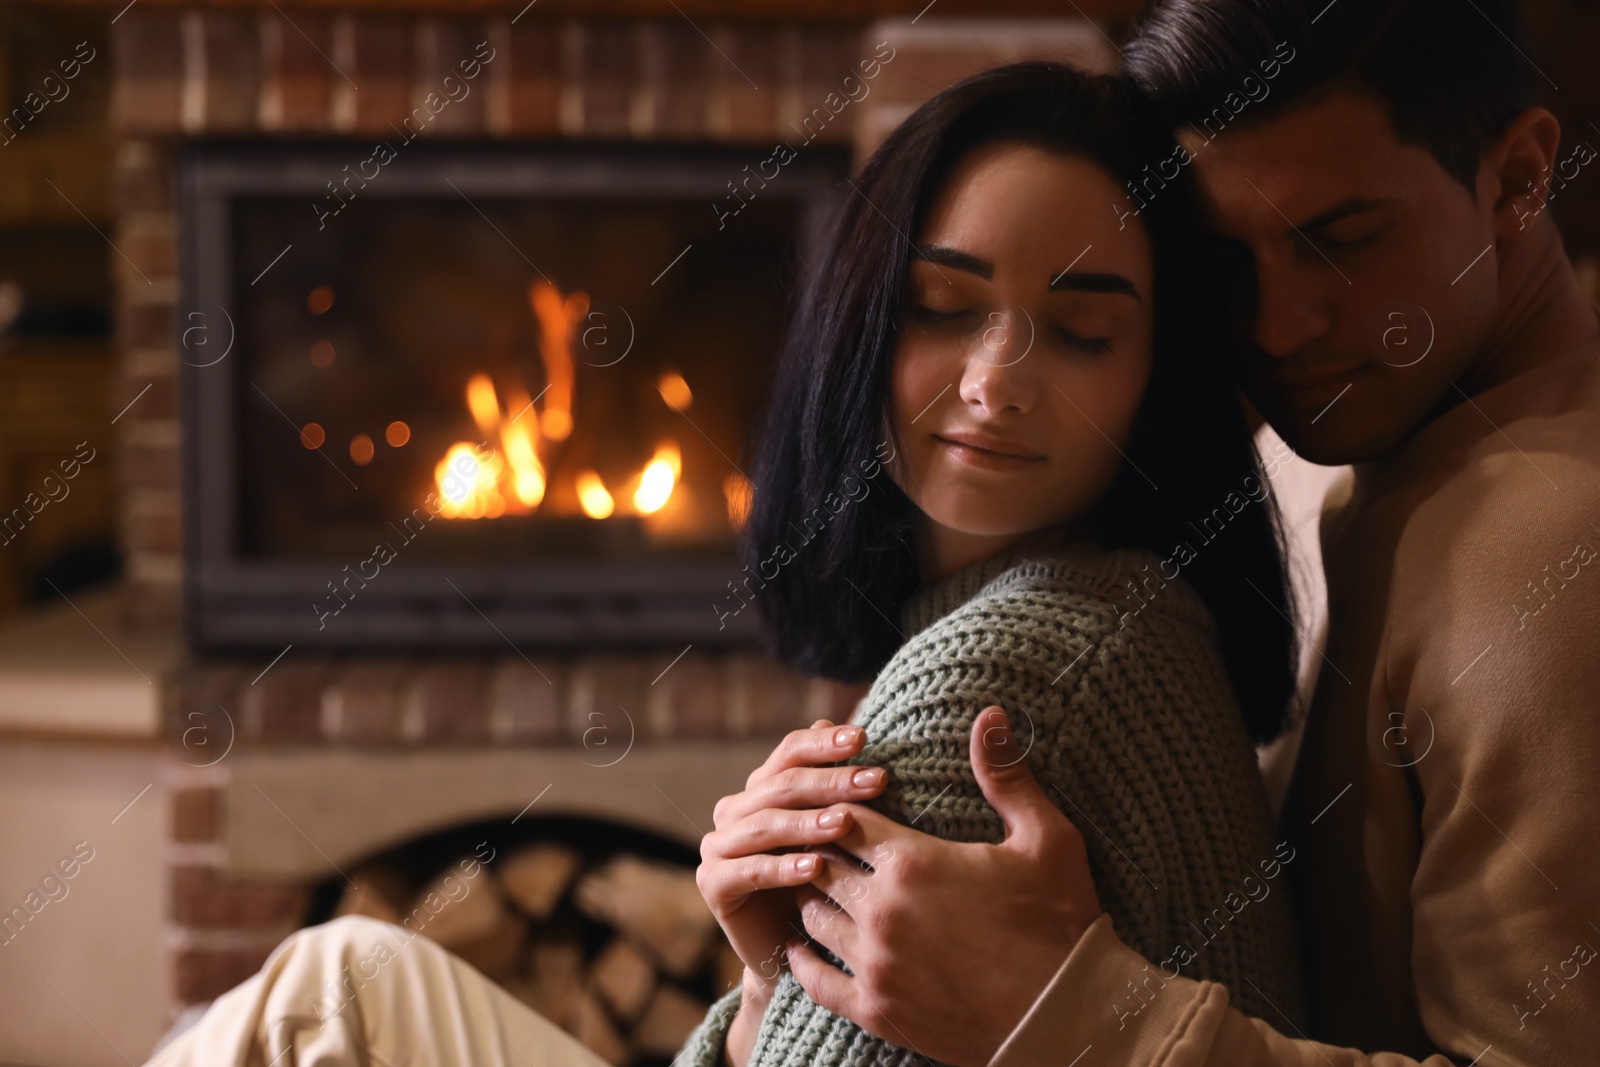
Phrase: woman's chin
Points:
(976, 520)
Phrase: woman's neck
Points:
(941, 551)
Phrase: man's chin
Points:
(1330, 441)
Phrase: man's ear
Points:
(1516, 172)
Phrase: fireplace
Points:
(488, 394)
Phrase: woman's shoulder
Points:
(1052, 631)
(1109, 589)
(1037, 619)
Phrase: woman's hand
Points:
(948, 943)
(752, 862)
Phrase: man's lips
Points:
(1314, 377)
(1317, 387)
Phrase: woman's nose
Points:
(999, 373)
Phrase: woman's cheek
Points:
(1117, 386)
(1105, 398)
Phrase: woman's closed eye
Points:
(1084, 341)
(941, 316)
(1090, 345)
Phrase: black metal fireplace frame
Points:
(234, 603)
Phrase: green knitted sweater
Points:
(1115, 685)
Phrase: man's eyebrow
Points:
(1092, 282)
(1355, 205)
(951, 257)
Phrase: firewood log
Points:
(535, 877)
(624, 978)
(668, 1021)
(655, 905)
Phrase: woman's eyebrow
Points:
(1092, 282)
(951, 257)
(1085, 282)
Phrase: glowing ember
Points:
(592, 495)
(675, 391)
(658, 478)
(486, 490)
(467, 487)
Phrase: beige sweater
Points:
(1446, 796)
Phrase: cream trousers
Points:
(362, 992)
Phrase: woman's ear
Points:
(1517, 172)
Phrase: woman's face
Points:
(1026, 330)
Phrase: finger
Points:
(822, 743)
(828, 924)
(823, 982)
(1001, 767)
(799, 788)
(873, 837)
(775, 830)
(724, 883)
(842, 878)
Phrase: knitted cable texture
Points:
(1115, 686)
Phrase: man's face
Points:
(1368, 292)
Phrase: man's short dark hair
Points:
(1452, 75)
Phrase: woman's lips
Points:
(986, 458)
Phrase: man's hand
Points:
(749, 866)
(949, 944)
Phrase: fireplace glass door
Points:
(482, 396)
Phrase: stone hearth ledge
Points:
(75, 669)
(308, 814)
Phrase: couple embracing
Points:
(1044, 837)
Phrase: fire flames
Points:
(513, 478)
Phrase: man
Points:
(1377, 171)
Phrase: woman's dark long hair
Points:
(831, 608)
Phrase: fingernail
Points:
(820, 723)
(997, 733)
(846, 735)
(806, 865)
(829, 819)
(867, 776)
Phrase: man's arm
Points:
(1499, 682)
(1186, 1023)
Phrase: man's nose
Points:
(1291, 310)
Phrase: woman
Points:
(1074, 528)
